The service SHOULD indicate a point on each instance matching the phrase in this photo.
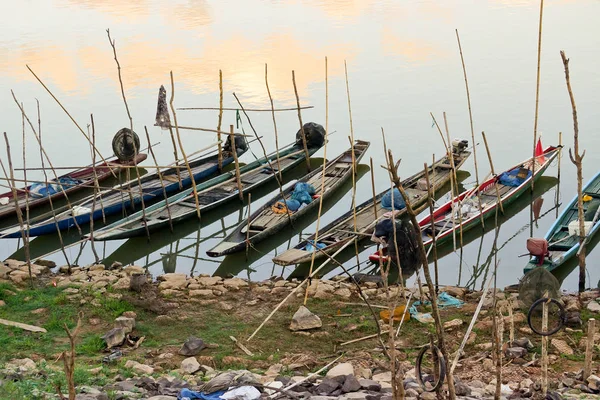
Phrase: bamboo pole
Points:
(316, 240)
(25, 178)
(537, 96)
(69, 115)
(46, 155)
(433, 244)
(137, 171)
(24, 234)
(577, 160)
(557, 197)
(453, 182)
(248, 225)
(160, 178)
(302, 133)
(237, 166)
(220, 120)
(589, 349)
(275, 123)
(545, 347)
(373, 188)
(247, 109)
(487, 149)
(93, 155)
(181, 146)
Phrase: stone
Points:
(594, 382)
(129, 314)
(383, 377)
(341, 369)
(122, 283)
(97, 267)
(368, 384)
(472, 338)
(303, 320)
(354, 396)
(593, 306)
(209, 280)
(190, 365)
(201, 293)
(523, 342)
(484, 346)
(462, 389)
(4, 271)
(344, 293)
(411, 394)
(351, 384)
(21, 365)
(364, 373)
(428, 396)
(192, 346)
(453, 325)
(235, 283)
(133, 269)
(139, 368)
(2, 303)
(327, 387)
(274, 370)
(114, 337)
(127, 324)
(515, 352)
(173, 281)
(561, 347)
(454, 291)
(488, 365)
(95, 371)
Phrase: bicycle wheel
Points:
(556, 316)
(430, 368)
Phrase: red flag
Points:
(539, 151)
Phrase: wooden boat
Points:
(117, 199)
(211, 194)
(562, 239)
(340, 231)
(268, 220)
(71, 182)
(467, 203)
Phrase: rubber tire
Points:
(562, 319)
(442, 368)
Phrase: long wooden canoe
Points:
(211, 194)
(468, 205)
(70, 183)
(563, 244)
(337, 233)
(117, 199)
(266, 222)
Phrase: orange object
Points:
(398, 312)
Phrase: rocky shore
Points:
(134, 369)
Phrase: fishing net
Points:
(126, 144)
(406, 241)
(315, 134)
(534, 285)
(162, 112)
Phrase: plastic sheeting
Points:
(444, 300)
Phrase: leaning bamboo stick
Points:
(545, 347)
(537, 95)
(275, 123)
(237, 165)
(181, 146)
(487, 149)
(220, 119)
(373, 188)
(316, 240)
(25, 178)
(69, 115)
(302, 133)
(46, 155)
(453, 175)
(589, 348)
(93, 155)
(24, 235)
(162, 183)
(248, 225)
(433, 244)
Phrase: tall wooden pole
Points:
(237, 166)
(274, 124)
(302, 133)
(220, 150)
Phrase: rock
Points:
(139, 368)
(488, 365)
(484, 346)
(364, 373)
(462, 389)
(327, 387)
(593, 306)
(472, 338)
(21, 365)
(133, 269)
(354, 396)
(235, 283)
(209, 280)
(562, 347)
(129, 314)
(452, 325)
(2, 303)
(122, 283)
(515, 352)
(351, 384)
(95, 371)
(97, 267)
(594, 382)
(344, 293)
(303, 320)
(341, 369)
(454, 291)
(114, 337)
(383, 377)
(127, 324)
(190, 365)
(411, 393)
(428, 396)
(368, 384)
(523, 342)
(192, 346)
(274, 370)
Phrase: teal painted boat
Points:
(563, 242)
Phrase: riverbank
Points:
(167, 311)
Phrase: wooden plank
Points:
(30, 328)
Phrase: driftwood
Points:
(241, 346)
(30, 328)
(589, 348)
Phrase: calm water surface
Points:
(403, 63)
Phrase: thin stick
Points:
(248, 109)
(26, 184)
(181, 147)
(160, 178)
(237, 165)
(487, 149)
(557, 197)
(93, 154)
(60, 239)
(363, 338)
(220, 120)
(545, 347)
(192, 128)
(302, 133)
(275, 123)
(248, 226)
(462, 59)
(24, 235)
(46, 155)
(69, 115)
(316, 240)
(589, 348)
(433, 243)
(373, 188)
(537, 94)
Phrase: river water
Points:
(403, 63)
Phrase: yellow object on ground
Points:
(398, 312)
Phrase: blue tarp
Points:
(43, 190)
(386, 200)
(190, 394)
(309, 246)
(444, 300)
(510, 178)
